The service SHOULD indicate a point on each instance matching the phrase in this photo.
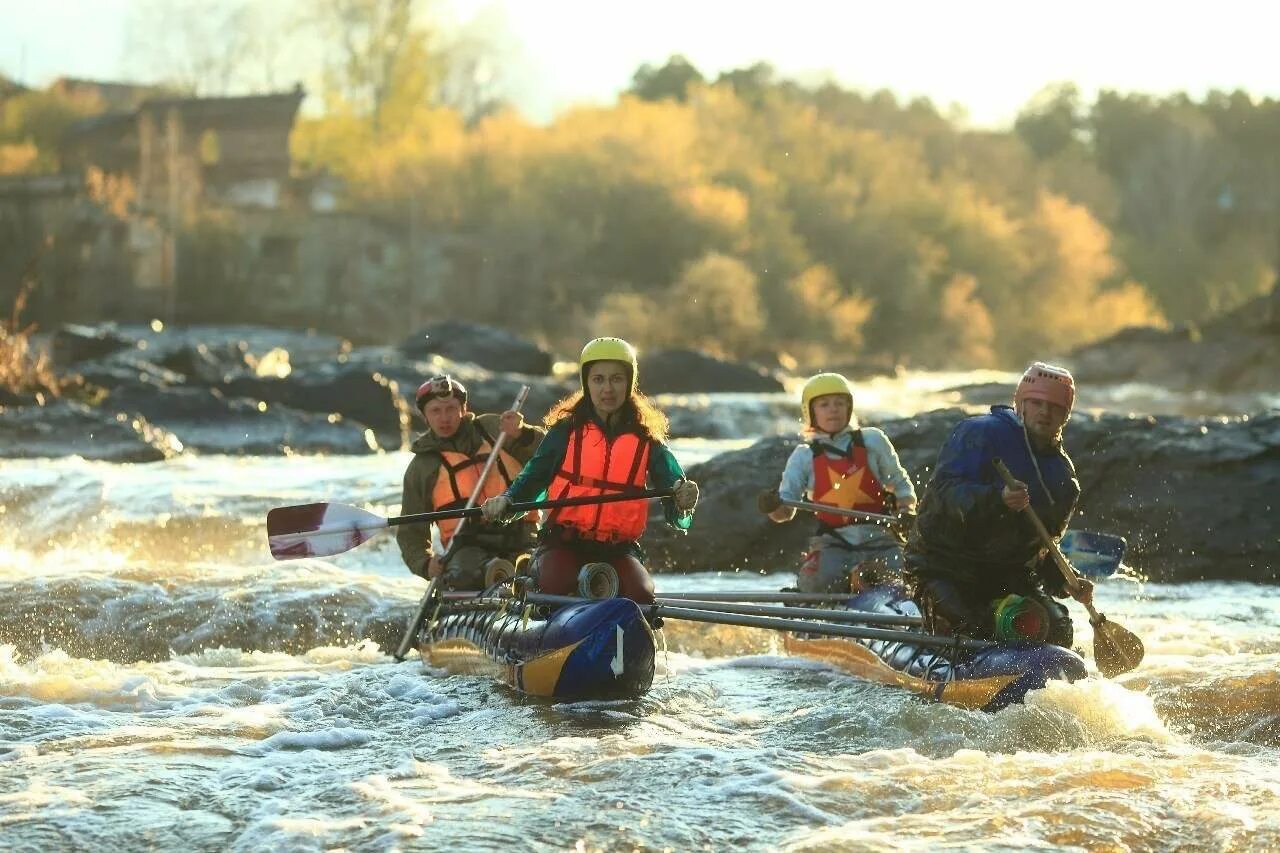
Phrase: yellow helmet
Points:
(608, 349)
(819, 386)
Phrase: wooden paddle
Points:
(878, 518)
(1116, 649)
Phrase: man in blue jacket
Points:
(980, 569)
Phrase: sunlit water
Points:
(164, 684)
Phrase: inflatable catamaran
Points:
(572, 649)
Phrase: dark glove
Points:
(902, 527)
(422, 569)
(768, 501)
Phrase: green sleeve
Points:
(665, 472)
(535, 478)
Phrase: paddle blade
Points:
(1116, 649)
(319, 530)
(1094, 555)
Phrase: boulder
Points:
(359, 394)
(486, 391)
(62, 428)
(202, 364)
(489, 347)
(1235, 352)
(204, 420)
(72, 344)
(682, 371)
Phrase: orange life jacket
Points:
(458, 476)
(595, 464)
(846, 481)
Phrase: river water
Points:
(164, 684)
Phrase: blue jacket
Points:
(965, 533)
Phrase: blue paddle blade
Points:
(1094, 555)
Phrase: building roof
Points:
(228, 106)
(115, 96)
(282, 104)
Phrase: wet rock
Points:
(690, 372)
(127, 369)
(355, 391)
(72, 344)
(497, 393)
(13, 398)
(486, 391)
(205, 420)
(238, 343)
(1235, 352)
(489, 347)
(729, 533)
(203, 364)
(63, 428)
(1196, 498)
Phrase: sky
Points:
(985, 56)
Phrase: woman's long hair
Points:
(637, 414)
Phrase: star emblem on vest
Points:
(846, 491)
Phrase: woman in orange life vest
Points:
(847, 466)
(447, 461)
(605, 439)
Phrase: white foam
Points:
(55, 677)
(316, 827)
(410, 813)
(327, 739)
(1107, 710)
(41, 794)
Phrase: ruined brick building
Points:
(189, 210)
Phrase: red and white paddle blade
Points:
(319, 530)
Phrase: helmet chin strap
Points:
(1035, 463)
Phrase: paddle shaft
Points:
(522, 508)
(801, 626)
(841, 511)
(411, 632)
(415, 625)
(1068, 573)
(484, 475)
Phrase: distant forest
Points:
(758, 217)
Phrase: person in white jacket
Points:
(843, 465)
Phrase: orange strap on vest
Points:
(458, 476)
(593, 465)
(846, 481)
